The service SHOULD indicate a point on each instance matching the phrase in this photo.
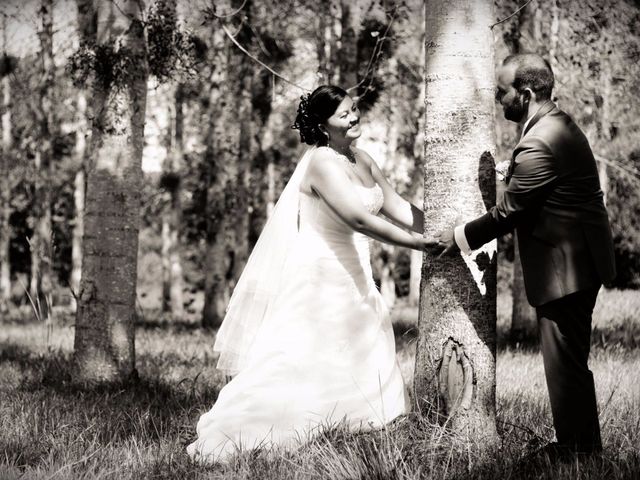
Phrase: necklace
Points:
(347, 156)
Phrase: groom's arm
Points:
(534, 177)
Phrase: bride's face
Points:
(344, 124)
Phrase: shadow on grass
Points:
(117, 411)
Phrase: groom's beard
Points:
(516, 110)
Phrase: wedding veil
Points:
(261, 278)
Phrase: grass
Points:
(52, 429)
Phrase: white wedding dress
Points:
(326, 353)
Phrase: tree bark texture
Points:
(172, 298)
(5, 195)
(87, 25)
(41, 287)
(228, 158)
(79, 196)
(455, 360)
(105, 320)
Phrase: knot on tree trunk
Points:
(455, 378)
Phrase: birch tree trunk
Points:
(78, 197)
(87, 33)
(415, 266)
(5, 188)
(105, 320)
(41, 247)
(455, 359)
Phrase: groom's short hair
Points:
(532, 71)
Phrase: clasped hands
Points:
(443, 243)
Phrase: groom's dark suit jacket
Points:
(553, 200)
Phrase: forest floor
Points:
(51, 429)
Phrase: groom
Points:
(554, 202)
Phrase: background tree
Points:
(455, 361)
(104, 335)
(172, 278)
(41, 285)
(8, 66)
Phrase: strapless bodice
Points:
(316, 215)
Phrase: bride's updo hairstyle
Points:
(314, 109)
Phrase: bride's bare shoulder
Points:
(366, 158)
(322, 153)
(321, 159)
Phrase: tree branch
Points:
(264, 65)
(507, 18)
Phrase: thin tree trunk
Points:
(5, 188)
(553, 35)
(41, 286)
(78, 196)
(347, 56)
(105, 321)
(321, 43)
(172, 280)
(415, 265)
(524, 325)
(604, 123)
(455, 361)
(230, 162)
(220, 156)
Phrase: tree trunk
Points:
(415, 265)
(524, 325)
(553, 36)
(229, 158)
(604, 106)
(455, 361)
(5, 191)
(322, 44)
(172, 279)
(87, 33)
(78, 196)
(105, 321)
(348, 53)
(41, 287)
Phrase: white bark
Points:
(455, 361)
(5, 208)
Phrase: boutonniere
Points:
(502, 170)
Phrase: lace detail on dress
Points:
(372, 197)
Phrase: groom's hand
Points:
(447, 241)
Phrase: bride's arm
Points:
(395, 207)
(329, 180)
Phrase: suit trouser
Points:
(565, 338)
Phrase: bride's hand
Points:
(430, 245)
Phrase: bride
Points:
(307, 335)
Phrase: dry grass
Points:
(51, 429)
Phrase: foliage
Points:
(170, 52)
(624, 212)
